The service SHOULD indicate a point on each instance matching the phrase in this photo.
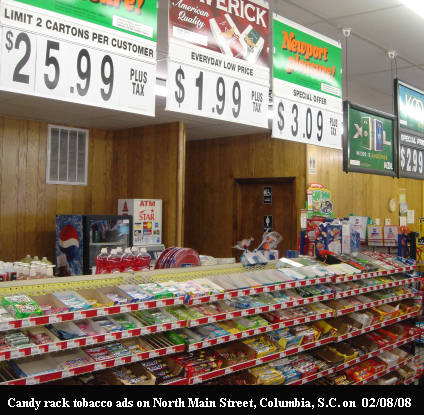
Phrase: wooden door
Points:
(261, 203)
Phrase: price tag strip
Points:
(53, 56)
(307, 86)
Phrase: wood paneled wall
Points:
(212, 166)
(136, 163)
(363, 194)
(149, 162)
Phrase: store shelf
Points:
(355, 277)
(87, 341)
(353, 362)
(377, 326)
(95, 312)
(364, 290)
(385, 371)
(413, 379)
(256, 362)
(95, 366)
(376, 303)
(259, 330)
(258, 310)
(135, 306)
(259, 290)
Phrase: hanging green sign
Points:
(307, 85)
(136, 17)
(369, 145)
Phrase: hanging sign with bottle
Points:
(410, 112)
(369, 143)
(218, 60)
(307, 86)
(88, 52)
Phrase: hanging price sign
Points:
(410, 111)
(307, 86)
(49, 55)
(218, 60)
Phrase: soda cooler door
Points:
(105, 232)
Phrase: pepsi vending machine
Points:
(79, 239)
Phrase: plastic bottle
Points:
(114, 262)
(143, 260)
(102, 262)
(128, 261)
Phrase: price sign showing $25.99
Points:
(47, 67)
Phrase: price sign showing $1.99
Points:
(214, 95)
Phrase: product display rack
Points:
(353, 362)
(386, 371)
(78, 282)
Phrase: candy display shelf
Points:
(259, 310)
(413, 379)
(260, 330)
(256, 362)
(95, 366)
(376, 303)
(377, 326)
(364, 290)
(113, 336)
(366, 275)
(39, 287)
(353, 362)
(386, 371)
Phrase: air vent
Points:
(67, 151)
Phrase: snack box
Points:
(50, 304)
(72, 300)
(121, 376)
(173, 369)
(66, 331)
(70, 359)
(239, 350)
(95, 297)
(40, 335)
(33, 366)
(115, 295)
(21, 306)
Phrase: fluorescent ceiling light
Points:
(416, 6)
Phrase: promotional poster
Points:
(236, 29)
(136, 17)
(307, 85)
(370, 146)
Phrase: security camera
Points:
(392, 54)
(347, 31)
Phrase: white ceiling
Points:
(377, 27)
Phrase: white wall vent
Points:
(67, 156)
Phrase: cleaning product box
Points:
(147, 219)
